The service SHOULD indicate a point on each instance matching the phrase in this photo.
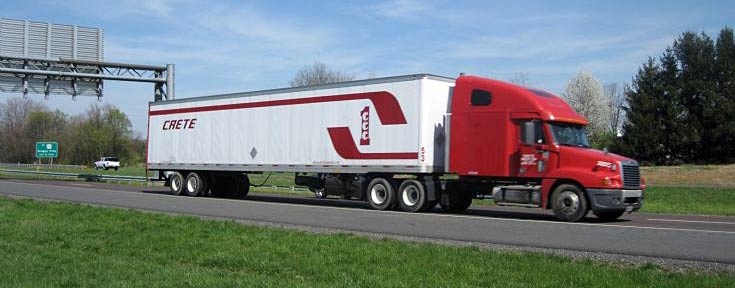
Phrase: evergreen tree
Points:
(675, 134)
(681, 109)
(695, 53)
(642, 133)
(725, 73)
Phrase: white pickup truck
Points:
(107, 163)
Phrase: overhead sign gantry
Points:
(45, 58)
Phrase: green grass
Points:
(70, 245)
(690, 200)
(125, 170)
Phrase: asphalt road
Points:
(698, 238)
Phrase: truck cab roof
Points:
(525, 102)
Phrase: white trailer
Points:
(388, 125)
(385, 125)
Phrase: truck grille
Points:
(631, 175)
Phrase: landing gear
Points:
(319, 193)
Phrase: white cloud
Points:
(402, 9)
(282, 32)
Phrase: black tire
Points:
(117, 168)
(176, 183)
(569, 203)
(430, 205)
(609, 215)
(455, 201)
(222, 187)
(241, 186)
(195, 185)
(412, 196)
(381, 194)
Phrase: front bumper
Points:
(603, 200)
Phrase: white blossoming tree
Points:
(585, 94)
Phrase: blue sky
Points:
(230, 46)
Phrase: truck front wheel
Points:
(569, 203)
(381, 194)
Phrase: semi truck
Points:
(406, 142)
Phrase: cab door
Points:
(533, 154)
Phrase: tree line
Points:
(103, 130)
(678, 109)
(681, 104)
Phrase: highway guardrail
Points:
(120, 178)
(90, 177)
(42, 166)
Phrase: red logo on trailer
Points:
(365, 135)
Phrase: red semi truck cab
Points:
(537, 144)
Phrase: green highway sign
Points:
(47, 150)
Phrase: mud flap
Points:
(433, 187)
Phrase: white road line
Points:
(693, 221)
(405, 214)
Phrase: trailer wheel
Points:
(609, 216)
(176, 182)
(195, 185)
(221, 186)
(569, 203)
(381, 194)
(241, 185)
(455, 201)
(412, 196)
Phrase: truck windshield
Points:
(569, 134)
(112, 159)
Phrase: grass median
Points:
(690, 200)
(71, 245)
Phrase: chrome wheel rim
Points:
(192, 184)
(410, 195)
(175, 183)
(378, 194)
(568, 202)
